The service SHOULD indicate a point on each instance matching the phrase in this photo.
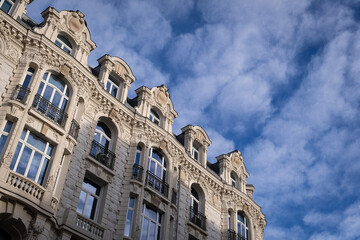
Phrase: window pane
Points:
(91, 187)
(58, 43)
(81, 203)
(40, 88)
(132, 202)
(43, 170)
(34, 166)
(150, 213)
(24, 159)
(113, 91)
(6, 6)
(89, 206)
(16, 154)
(8, 126)
(57, 83)
(137, 159)
(56, 99)
(48, 92)
(152, 230)
(36, 142)
(49, 150)
(26, 82)
(2, 142)
(144, 230)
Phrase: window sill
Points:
(96, 163)
(197, 228)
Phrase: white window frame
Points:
(10, 1)
(102, 135)
(193, 200)
(128, 223)
(233, 180)
(63, 45)
(88, 193)
(157, 223)
(64, 94)
(138, 154)
(113, 84)
(22, 144)
(5, 134)
(155, 119)
(195, 153)
(242, 226)
(157, 164)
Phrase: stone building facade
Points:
(81, 160)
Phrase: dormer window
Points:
(6, 5)
(112, 87)
(63, 43)
(195, 152)
(233, 179)
(154, 117)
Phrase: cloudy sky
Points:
(278, 80)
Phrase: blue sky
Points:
(278, 80)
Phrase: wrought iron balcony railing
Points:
(102, 154)
(197, 218)
(156, 183)
(137, 172)
(74, 129)
(173, 197)
(49, 110)
(21, 93)
(232, 235)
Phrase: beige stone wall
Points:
(48, 211)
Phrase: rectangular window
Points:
(195, 152)
(89, 199)
(112, 87)
(150, 224)
(6, 5)
(4, 133)
(32, 157)
(130, 213)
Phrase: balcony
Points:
(232, 235)
(197, 218)
(102, 155)
(74, 129)
(137, 172)
(94, 229)
(49, 110)
(21, 93)
(157, 184)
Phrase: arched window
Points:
(138, 155)
(242, 226)
(197, 206)
(154, 117)
(6, 5)
(157, 164)
(156, 172)
(101, 145)
(102, 135)
(63, 43)
(229, 220)
(52, 97)
(137, 169)
(194, 201)
(233, 178)
(23, 89)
